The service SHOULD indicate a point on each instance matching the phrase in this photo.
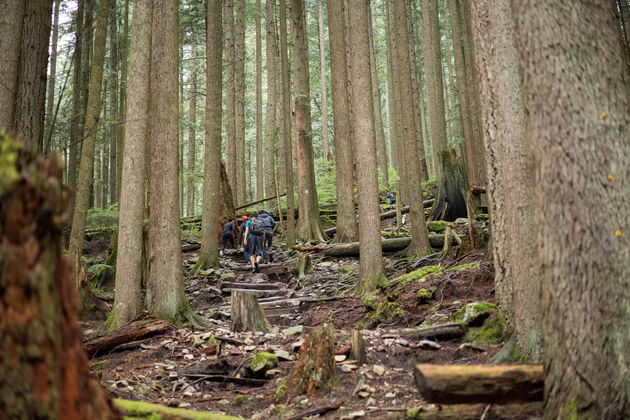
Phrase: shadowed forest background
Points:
(449, 180)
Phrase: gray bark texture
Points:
(576, 89)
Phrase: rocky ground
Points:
(215, 369)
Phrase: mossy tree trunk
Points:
(43, 373)
(450, 202)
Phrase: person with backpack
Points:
(229, 235)
(254, 232)
(242, 238)
(268, 226)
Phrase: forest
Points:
(298, 209)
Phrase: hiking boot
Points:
(256, 269)
(270, 257)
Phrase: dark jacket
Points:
(268, 222)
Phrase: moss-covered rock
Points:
(242, 399)
(474, 314)
(416, 275)
(437, 226)
(493, 331)
(262, 362)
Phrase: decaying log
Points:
(350, 249)
(479, 383)
(190, 247)
(132, 332)
(316, 367)
(357, 347)
(246, 313)
(444, 331)
(244, 206)
(306, 248)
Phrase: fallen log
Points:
(480, 383)
(256, 286)
(244, 206)
(190, 247)
(444, 331)
(132, 332)
(389, 245)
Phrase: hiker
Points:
(242, 239)
(229, 235)
(254, 232)
(391, 198)
(268, 226)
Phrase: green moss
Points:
(263, 361)
(470, 266)
(96, 366)
(387, 311)
(482, 216)
(413, 412)
(423, 296)
(9, 152)
(516, 355)
(570, 411)
(434, 308)
(370, 300)
(281, 391)
(493, 331)
(437, 226)
(144, 410)
(360, 325)
(416, 275)
(346, 269)
(326, 221)
(242, 399)
(477, 306)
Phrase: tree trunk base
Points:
(246, 313)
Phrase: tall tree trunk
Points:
(286, 122)
(75, 133)
(378, 116)
(180, 132)
(585, 309)
(165, 282)
(212, 198)
(102, 159)
(99, 164)
(391, 101)
(371, 272)
(192, 130)
(408, 130)
(510, 160)
(51, 81)
(323, 82)
(113, 101)
(259, 184)
(270, 122)
(122, 109)
(45, 371)
(433, 72)
(127, 301)
(30, 105)
(346, 223)
(77, 233)
(11, 25)
(239, 112)
(230, 98)
(308, 223)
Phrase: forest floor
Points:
(208, 370)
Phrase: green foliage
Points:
(281, 391)
(100, 274)
(100, 218)
(9, 150)
(326, 182)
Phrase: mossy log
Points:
(132, 332)
(246, 313)
(141, 409)
(480, 383)
(316, 368)
(444, 331)
(44, 370)
(351, 249)
(450, 200)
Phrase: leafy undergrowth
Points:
(211, 370)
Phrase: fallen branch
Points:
(479, 383)
(225, 378)
(244, 206)
(129, 333)
(444, 331)
(317, 411)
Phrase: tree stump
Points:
(246, 314)
(357, 347)
(44, 371)
(450, 201)
(316, 367)
(303, 265)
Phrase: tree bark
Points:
(113, 102)
(584, 315)
(130, 232)
(346, 222)
(52, 78)
(165, 284)
(371, 262)
(212, 196)
(230, 96)
(308, 223)
(315, 368)
(286, 121)
(408, 132)
(465, 384)
(323, 82)
(11, 25)
(122, 109)
(246, 313)
(46, 370)
(239, 104)
(259, 184)
(270, 122)
(192, 116)
(77, 233)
